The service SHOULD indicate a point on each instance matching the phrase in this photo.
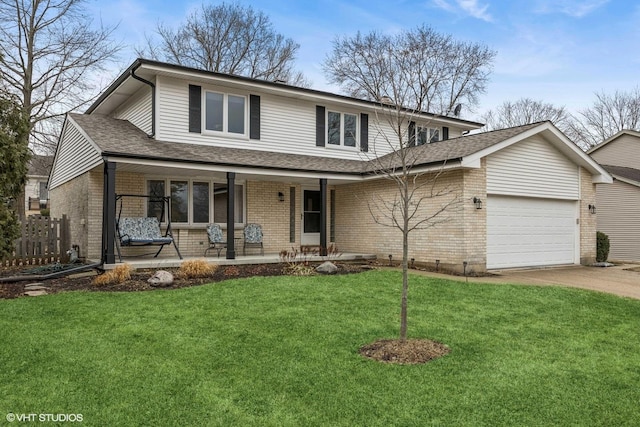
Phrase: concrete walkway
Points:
(618, 280)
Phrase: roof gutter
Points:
(153, 99)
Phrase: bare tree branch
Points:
(524, 111)
(228, 38)
(427, 70)
(609, 114)
(49, 52)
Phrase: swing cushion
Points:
(141, 231)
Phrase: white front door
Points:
(526, 232)
(311, 202)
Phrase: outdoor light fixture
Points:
(281, 196)
(592, 209)
(477, 202)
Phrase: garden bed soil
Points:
(138, 281)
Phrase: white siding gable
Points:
(532, 168)
(75, 155)
(137, 110)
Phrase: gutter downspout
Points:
(153, 100)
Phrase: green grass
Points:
(283, 351)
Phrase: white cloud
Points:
(468, 7)
(474, 9)
(573, 8)
(444, 5)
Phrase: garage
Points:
(526, 232)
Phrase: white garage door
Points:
(524, 232)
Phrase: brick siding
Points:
(588, 226)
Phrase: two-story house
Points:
(301, 162)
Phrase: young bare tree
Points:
(420, 203)
(608, 115)
(49, 54)
(228, 38)
(409, 73)
(524, 111)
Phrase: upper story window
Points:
(342, 129)
(426, 135)
(225, 113)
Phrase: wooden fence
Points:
(44, 240)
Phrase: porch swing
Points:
(144, 231)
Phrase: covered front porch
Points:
(295, 209)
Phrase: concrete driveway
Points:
(619, 280)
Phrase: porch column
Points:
(231, 214)
(323, 216)
(109, 213)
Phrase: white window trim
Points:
(225, 115)
(211, 182)
(341, 146)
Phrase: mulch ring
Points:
(406, 352)
(138, 281)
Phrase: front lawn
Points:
(283, 351)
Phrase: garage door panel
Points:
(525, 232)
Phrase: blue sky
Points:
(558, 51)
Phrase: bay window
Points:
(194, 201)
(220, 198)
(201, 197)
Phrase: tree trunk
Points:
(405, 263)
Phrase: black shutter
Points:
(195, 108)
(445, 133)
(320, 126)
(254, 117)
(412, 134)
(364, 132)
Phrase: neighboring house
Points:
(299, 162)
(618, 205)
(36, 194)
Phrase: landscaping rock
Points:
(35, 293)
(35, 287)
(603, 264)
(83, 274)
(327, 267)
(161, 278)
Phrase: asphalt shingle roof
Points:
(121, 138)
(628, 173)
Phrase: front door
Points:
(311, 202)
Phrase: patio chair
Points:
(216, 241)
(252, 238)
